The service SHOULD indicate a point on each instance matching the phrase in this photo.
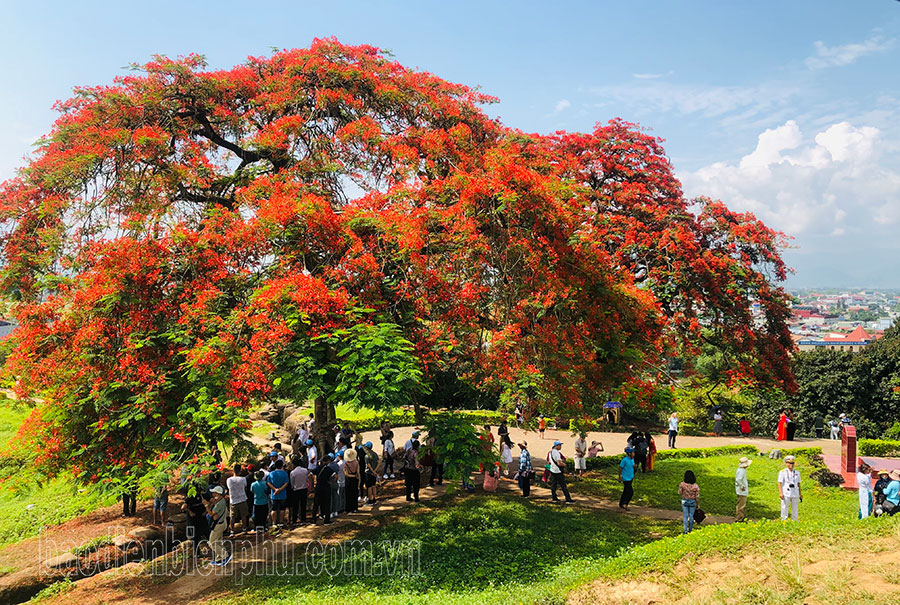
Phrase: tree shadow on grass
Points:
(476, 542)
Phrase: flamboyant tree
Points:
(326, 223)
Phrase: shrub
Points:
(878, 447)
(706, 452)
(806, 452)
(826, 478)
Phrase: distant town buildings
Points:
(842, 321)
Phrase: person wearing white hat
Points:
(216, 508)
(741, 488)
(789, 489)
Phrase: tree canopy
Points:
(325, 222)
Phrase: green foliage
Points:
(376, 367)
(458, 443)
(694, 400)
(52, 502)
(12, 414)
(880, 448)
(601, 462)
(92, 545)
(54, 590)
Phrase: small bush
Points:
(601, 462)
(881, 448)
(826, 478)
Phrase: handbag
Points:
(699, 515)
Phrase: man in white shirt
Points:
(580, 453)
(557, 478)
(741, 488)
(237, 494)
(789, 489)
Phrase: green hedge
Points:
(878, 447)
(408, 418)
(705, 452)
(806, 452)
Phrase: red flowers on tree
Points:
(327, 223)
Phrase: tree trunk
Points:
(323, 435)
(419, 412)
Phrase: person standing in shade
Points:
(557, 475)
(299, 491)
(370, 459)
(819, 426)
(322, 504)
(742, 489)
(237, 495)
(690, 493)
(260, 501)
(626, 476)
(352, 480)
(789, 489)
(278, 481)
(217, 509)
(673, 429)
(864, 481)
(413, 475)
(525, 470)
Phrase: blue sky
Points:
(786, 109)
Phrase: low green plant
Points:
(54, 590)
(880, 448)
(92, 546)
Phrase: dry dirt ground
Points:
(815, 573)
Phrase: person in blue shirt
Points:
(626, 476)
(260, 501)
(892, 494)
(278, 481)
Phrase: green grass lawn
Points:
(498, 544)
(51, 502)
(715, 476)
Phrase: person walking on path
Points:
(690, 493)
(789, 489)
(864, 481)
(742, 489)
(626, 476)
(506, 456)
(580, 453)
(835, 428)
(542, 425)
(717, 422)
(525, 470)
(557, 476)
(673, 429)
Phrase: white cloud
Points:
(562, 104)
(659, 96)
(646, 76)
(838, 183)
(845, 54)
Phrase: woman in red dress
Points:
(782, 427)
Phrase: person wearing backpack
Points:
(641, 449)
(557, 476)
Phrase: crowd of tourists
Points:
(303, 486)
